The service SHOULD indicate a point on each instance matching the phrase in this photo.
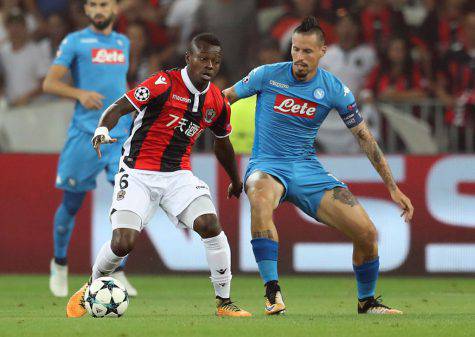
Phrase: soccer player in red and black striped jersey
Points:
(173, 107)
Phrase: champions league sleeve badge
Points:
(142, 94)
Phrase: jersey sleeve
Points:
(222, 126)
(344, 102)
(66, 52)
(251, 84)
(155, 87)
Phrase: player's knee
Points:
(369, 238)
(72, 201)
(61, 230)
(123, 241)
(207, 226)
(261, 207)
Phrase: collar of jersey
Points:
(91, 31)
(189, 84)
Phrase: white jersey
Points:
(23, 69)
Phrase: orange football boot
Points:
(75, 307)
(226, 308)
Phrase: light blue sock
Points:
(366, 277)
(64, 224)
(63, 227)
(266, 252)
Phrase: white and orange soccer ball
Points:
(106, 297)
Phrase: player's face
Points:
(307, 50)
(101, 13)
(204, 62)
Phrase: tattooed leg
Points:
(264, 193)
(345, 196)
(340, 209)
(267, 233)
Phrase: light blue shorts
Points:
(305, 181)
(79, 166)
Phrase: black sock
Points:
(63, 261)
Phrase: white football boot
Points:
(120, 276)
(58, 279)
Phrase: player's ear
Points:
(323, 50)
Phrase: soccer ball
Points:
(106, 297)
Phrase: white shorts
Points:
(142, 192)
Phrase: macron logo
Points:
(279, 85)
(181, 99)
(161, 80)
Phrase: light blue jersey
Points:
(289, 112)
(288, 115)
(98, 63)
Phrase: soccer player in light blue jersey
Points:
(98, 59)
(293, 99)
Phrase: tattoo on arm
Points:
(344, 196)
(369, 145)
(263, 234)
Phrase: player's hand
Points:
(101, 136)
(91, 100)
(404, 203)
(235, 190)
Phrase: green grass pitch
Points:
(184, 306)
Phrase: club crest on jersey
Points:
(120, 195)
(142, 94)
(295, 106)
(319, 93)
(107, 56)
(209, 115)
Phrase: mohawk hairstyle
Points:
(310, 25)
(207, 38)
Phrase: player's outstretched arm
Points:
(53, 84)
(369, 145)
(230, 95)
(108, 121)
(224, 151)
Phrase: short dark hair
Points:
(207, 38)
(310, 25)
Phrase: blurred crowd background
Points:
(410, 63)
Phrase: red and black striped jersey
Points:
(172, 115)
